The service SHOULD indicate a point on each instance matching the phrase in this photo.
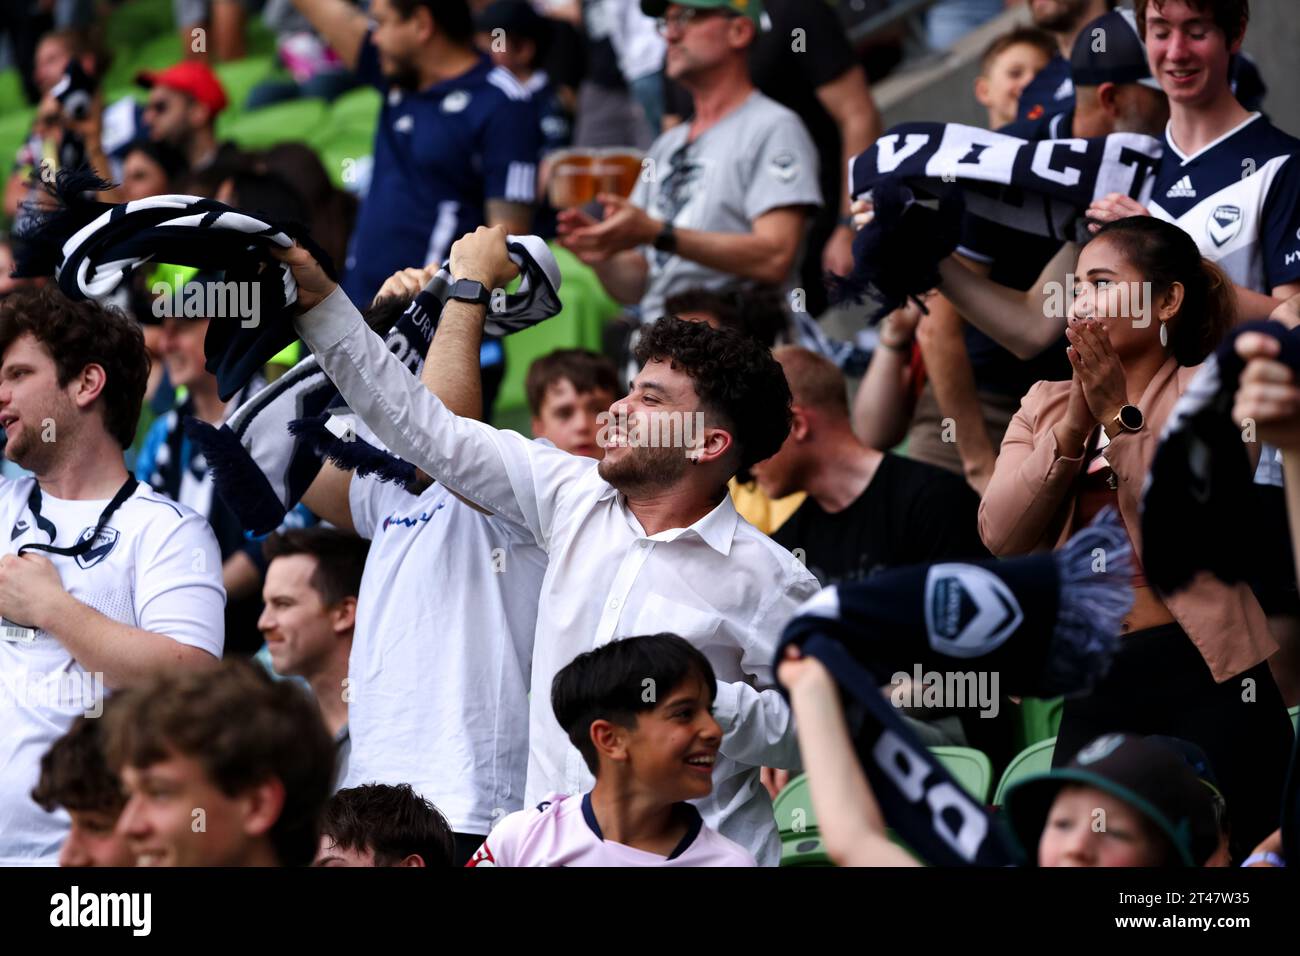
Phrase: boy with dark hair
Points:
(639, 712)
(567, 391)
(222, 768)
(378, 824)
(75, 779)
(1007, 66)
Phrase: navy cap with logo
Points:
(1109, 50)
(1146, 773)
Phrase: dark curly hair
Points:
(77, 334)
(735, 376)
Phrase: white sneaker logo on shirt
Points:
(1182, 189)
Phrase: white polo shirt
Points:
(720, 584)
(438, 675)
(563, 831)
(155, 566)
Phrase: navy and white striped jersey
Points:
(1239, 198)
(439, 154)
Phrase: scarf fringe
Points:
(1092, 604)
(237, 478)
(355, 455)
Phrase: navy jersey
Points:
(440, 153)
(1051, 91)
(1239, 198)
(1015, 259)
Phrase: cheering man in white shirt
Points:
(646, 541)
(103, 582)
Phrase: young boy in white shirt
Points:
(639, 712)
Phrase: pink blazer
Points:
(1030, 501)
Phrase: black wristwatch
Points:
(470, 290)
(666, 241)
(1130, 418)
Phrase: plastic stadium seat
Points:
(293, 121)
(238, 77)
(341, 152)
(158, 53)
(11, 93)
(1039, 719)
(801, 843)
(14, 127)
(356, 109)
(1036, 758)
(138, 21)
(972, 769)
(1295, 717)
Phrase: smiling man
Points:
(103, 582)
(644, 541)
(226, 768)
(310, 612)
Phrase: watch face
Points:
(1130, 416)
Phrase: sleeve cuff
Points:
(726, 707)
(328, 323)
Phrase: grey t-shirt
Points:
(755, 159)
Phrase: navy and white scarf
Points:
(1195, 506)
(268, 454)
(1040, 186)
(1046, 624)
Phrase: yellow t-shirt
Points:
(758, 509)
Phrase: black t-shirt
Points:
(910, 513)
(804, 48)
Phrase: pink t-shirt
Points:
(562, 831)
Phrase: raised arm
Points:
(341, 24)
(501, 472)
(847, 813)
(884, 403)
(1018, 321)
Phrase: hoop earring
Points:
(1164, 334)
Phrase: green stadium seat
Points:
(158, 53)
(1295, 717)
(340, 151)
(971, 768)
(1036, 758)
(12, 97)
(137, 21)
(1039, 719)
(356, 109)
(294, 121)
(801, 843)
(14, 126)
(238, 77)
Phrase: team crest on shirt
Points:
(1224, 223)
(99, 549)
(455, 102)
(785, 166)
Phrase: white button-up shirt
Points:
(720, 584)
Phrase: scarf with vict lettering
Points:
(921, 177)
(1045, 624)
(267, 455)
(93, 247)
(1196, 506)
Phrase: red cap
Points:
(191, 77)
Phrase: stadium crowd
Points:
(283, 589)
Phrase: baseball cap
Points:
(513, 16)
(1109, 50)
(746, 8)
(1147, 774)
(191, 77)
